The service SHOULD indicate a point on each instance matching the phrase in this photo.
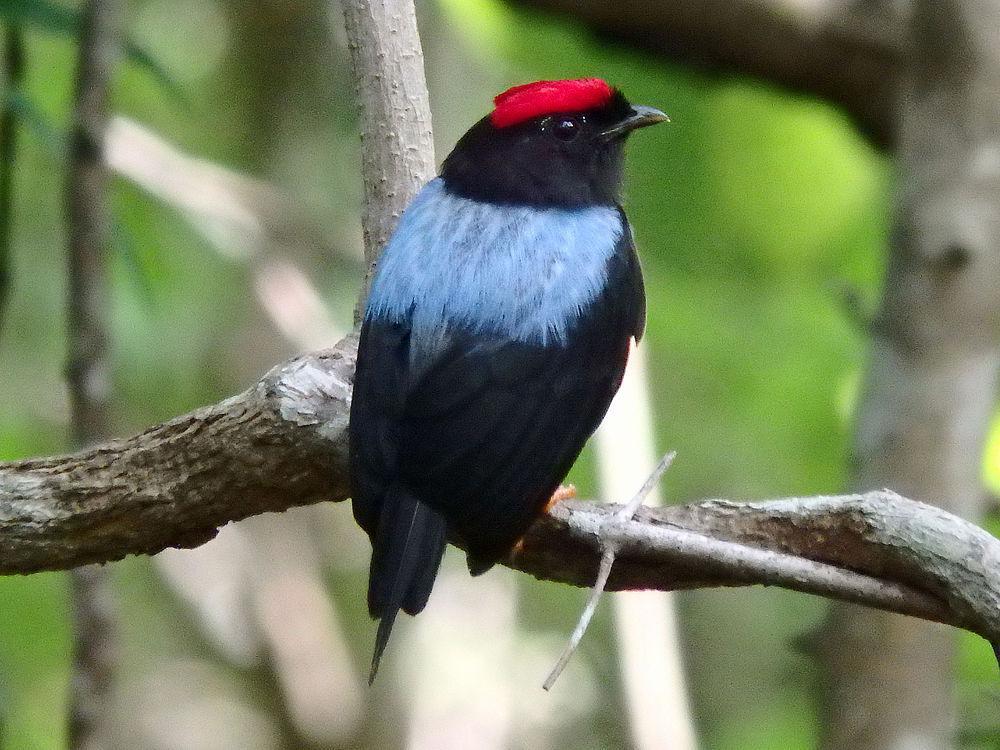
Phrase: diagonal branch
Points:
(283, 442)
(874, 548)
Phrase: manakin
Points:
(495, 335)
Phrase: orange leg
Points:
(563, 492)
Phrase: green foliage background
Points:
(754, 211)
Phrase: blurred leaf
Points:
(987, 739)
(147, 62)
(991, 458)
(34, 629)
(138, 265)
(764, 727)
(28, 114)
(56, 19)
(41, 14)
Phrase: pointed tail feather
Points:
(406, 553)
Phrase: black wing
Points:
(485, 432)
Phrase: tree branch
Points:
(874, 548)
(848, 52)
(283, 442)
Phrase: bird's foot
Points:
(564, 492)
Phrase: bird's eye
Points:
(565, 128)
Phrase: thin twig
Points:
(650, 663)
(628, 510)
(603, 571)
(13, 63)
(610, 549)
(94, 627)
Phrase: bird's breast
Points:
(518, 272)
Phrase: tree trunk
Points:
(932, 379)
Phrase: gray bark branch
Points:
(283, 442)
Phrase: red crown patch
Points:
(530, 100)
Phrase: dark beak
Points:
(639, 117)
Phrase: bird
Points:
(496, 332)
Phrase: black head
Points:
(550, 143)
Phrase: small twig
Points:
(610, 549)
(607, 560)
(13, 63)
(627, 511)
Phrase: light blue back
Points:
(521, 272)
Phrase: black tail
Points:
(406, 553)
